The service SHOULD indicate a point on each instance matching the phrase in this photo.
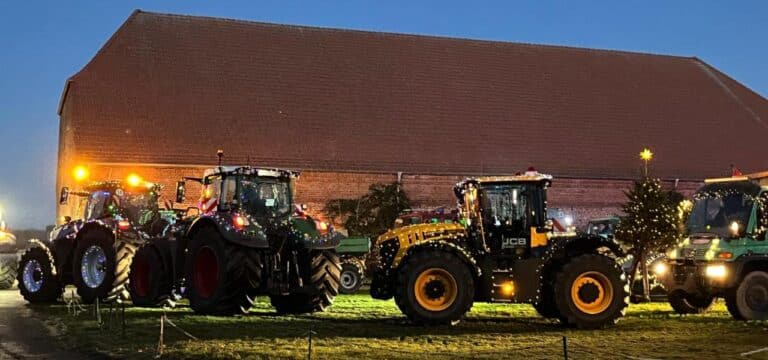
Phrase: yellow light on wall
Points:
(646, 154)
(133, 180)
(80, 173)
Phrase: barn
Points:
(351, 108)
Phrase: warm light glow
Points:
(134, 180)
(716, 271)
(80, 173)
(735, 228)
(123, 225)
(672, 254)
(725, 255)
(239, 221)
(646, 154)
(508, 289)
(207, 193)
(660, 268)
(568, 221)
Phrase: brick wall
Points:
(582, 198)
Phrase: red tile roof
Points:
(173, 89)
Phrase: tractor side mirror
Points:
(181, 190)
(64, 196)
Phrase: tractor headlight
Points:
(716, 271)
(660, 268)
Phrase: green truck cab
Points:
(725, 253)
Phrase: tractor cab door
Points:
(506, 218)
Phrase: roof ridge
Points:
(389, 33)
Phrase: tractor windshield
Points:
(504, 204)
(714, 214)
(96, 207)
(139, 207)
(265, 197)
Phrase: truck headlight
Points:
(715, 271)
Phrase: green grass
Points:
(359, 327)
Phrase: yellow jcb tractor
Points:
(503, 249)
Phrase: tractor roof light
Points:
(134, 180)
(80, 173)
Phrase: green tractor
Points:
(246, 241)
(725, 253)
(503, 249)
(93, 253)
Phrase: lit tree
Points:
(371, 214)
(650, 223)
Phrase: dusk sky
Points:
(42, 43)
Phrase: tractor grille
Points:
(691, 253)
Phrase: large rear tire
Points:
(323, 269)
(591, 292)
(37, 282)
(101, 267)
(222, 278)
(352, 275)
(8, 267)
(749, 301)
(687, 303)
(434, 287)
(150, 281)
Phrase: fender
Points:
(251, 236)
(573, 246)
(450, 247)
(306, 236)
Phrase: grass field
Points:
(361, 328)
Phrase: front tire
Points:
(222, 278)
(750, 299)
(591, 292)
(37, 282)
(323, 268)
(686, 303)
(150, 283)
(434, 287)
(352, 275)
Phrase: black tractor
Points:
(502, 249)
(94, 252)
(246, 241)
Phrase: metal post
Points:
(309, 349)
(98, 312)
(565, 348)
(122, 306)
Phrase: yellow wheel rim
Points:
(592, 292)
(435, 289)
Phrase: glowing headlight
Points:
(660, 268)
(715, 271)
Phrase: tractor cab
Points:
(507, 213)
(133, 200)
(265, 195)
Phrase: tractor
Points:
(502, 250)
(93, 253)
(8, 257)
(246, 241)
(353, 251)
(725, 253)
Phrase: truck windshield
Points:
(713, 214)
(265, 197)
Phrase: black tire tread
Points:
(684, 303)
(324, 278)
(8, 268)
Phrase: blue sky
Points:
(44, 42)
